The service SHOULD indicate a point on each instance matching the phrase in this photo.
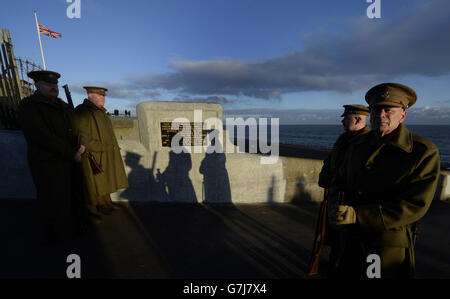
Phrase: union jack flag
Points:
(48, 32)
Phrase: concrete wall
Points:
(157, 174)
(239, 178)
(443, 189)
(302, 176)
(194, 176)
(126, 128)
(15, 177)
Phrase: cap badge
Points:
(385, 95)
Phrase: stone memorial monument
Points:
(184, 155)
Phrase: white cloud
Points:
(371, 52)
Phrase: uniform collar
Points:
(403, 140)
(39, 97)
(92, 105)
(361, 132)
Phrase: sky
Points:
(296, 60)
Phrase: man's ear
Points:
(404, 112)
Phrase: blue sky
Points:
(301, 59)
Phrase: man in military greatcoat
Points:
(52, 154)
(354, 120)
(386, 184)
(102, 164)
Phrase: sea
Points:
(324, 136)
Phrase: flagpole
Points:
(39, 35)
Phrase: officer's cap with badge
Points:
(355, 109)
(47, 76)
(96, 89)
(391, 95)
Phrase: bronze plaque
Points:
(167, 133)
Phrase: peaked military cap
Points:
(96, 89)
(391, 94)
(356, 109)
(47, 76)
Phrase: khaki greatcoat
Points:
(391, 186)
(102, 143)
(336, 157)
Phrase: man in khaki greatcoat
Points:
(95, 128)
(52, 155)
(386, 185)
(355, 125)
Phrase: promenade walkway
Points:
(188, 241)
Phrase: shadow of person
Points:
(216, 183)
(175, 178)
(301, 194)
(141, 180)
(271, 191)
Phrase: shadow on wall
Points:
(177, 186)
(441, 187)
(216, 183)
(271, 191)
(139, 178)
(301, 194)
(172, 185)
